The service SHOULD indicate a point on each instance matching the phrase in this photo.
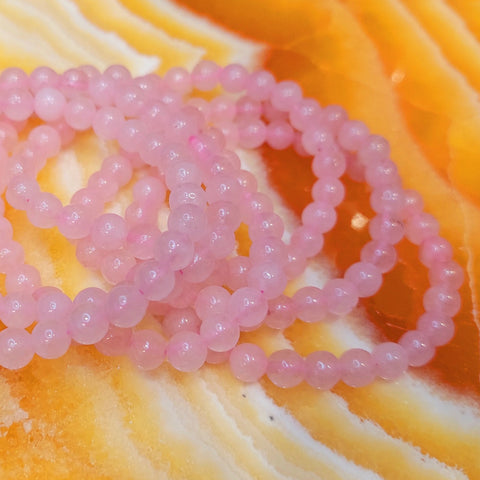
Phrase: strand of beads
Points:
(175, 146)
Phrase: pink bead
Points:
(43, 77)
(247, 109)
(205, 75)
(189, 220)
(268, 278)
(92, 295)
(16, 348)
(17, 310)
(296, 262)
(88, 323)
(334, 116)
(319, 216)
(178, 79)
(125, 306)
(220, 333)
(413, 203)
(439, 328)
(187, 193)
(22, 278)
(200, 268)
(285, 95)
(310, 304)
(50, 338)
(281, 312)
(268, 249)
(435, 250)
(441, 299)
(248, 362)
(115, 342)
(107, 122)
(52, 304)
(154, 280)
(366, 277)
(73, 222)
(11, 255)
(260, 84)
(382, 255)
(341, 296)
(49, 104)
(109, 231)
(303, 113)
(382, 173)
(8, 137)
(286, 368)
(421, 226)
(130, 99)
(13, 77)
(46, 140)
(175, 248)
(357, 367)
(118, 73)
(20, 191)
(43, 209)
(180, 320)
(322, 370)
(418, 347)
(17, 104)
(211, 301)
(316, 138)
(88, 254)
(386, 229)
(140, 213)
(328, 189)
(329, 161)
(181, 172)
(140, 241)
(220, 241)
(79, 113)
(252, 133)
(390, 360)
(266, 224)
(131, 135)
(280, 135)
(450, 274)
(387, 199)
(352, 134)
(248, 307)
(238, 268)
(307, 240)
(147, 349)
(233, 78)
(374, 148)
(186, 351)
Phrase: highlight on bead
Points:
(176, 154)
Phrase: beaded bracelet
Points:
(176, 153)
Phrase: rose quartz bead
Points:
(319, 216)
(352, 134)
(175, 248)
(374, 148)
(222, 109)
(413, 203)
(13, 77)
(217, 358)
(247, 109)
(93, 295)
(16, 348)
(11, 255)
(220, 332)
(52, 304)
(220, 241)
(138, 213)
(252, 133)
(248, 362)
(357, 367)
(267, 224)
(49, 104)
(46, 140)
(89, 198)
(118, 73)
(87, 254)
(186, 351)
(386, 229)
(118, 168)
(8, 137)
(147, 349)
(189, 220)
(316, 138)
(382, 173)
(154, 280)
(125, 306)
(43, 209)
(418, 347)
(211, 301)
(286, 368)
(131, 135)
(296, 262)
(255, 204)
(79, 113)
(140, 241)
(421, 226)
(322, 370)
(329, 161)
(439, 328)
(180, 172)
(303, 113)
(448, 273)
(279, 135)
(387, 199)
(73, 222)
(115, 266)
(88, 323)
(20, 191)
(390, 360)
(43, 77)
(310, 304)
(201, 267)
(248, 307)
(22, 278)
(334, 116)
(281, 312)
(130, 99)
(284, 95)
(328, 189)
(233, 77)
(238, 268)
(17, 310)
(260, 84)
(50, 338)
(115, 342)
(178, 79)
(268, 249)
(366, 277)
(109, 231)
(268, 278)
(107, 122)
(435, 250)
(441, 299)
(180, 320)
(205, 75)
(17, 104)
(381, 254)
(341, 296)
(307, 240)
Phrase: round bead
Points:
(357, 367)
(248, 362)
(419, 348)
(439, 328)
(154, 280)
(125, 306)
(51, 339)
(88, 323)
(248, 307)
(16, 348)
(286, 368)
(115, 342)
(187, 351)
(322, 370)
(390, 359)
(366, 277)
(341, 296)
(147, 349)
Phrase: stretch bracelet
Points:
(175, 155)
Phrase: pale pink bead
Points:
(328, 189)
(88, 323)
(248, 307)
(201, 267)
(20, 190)
(286, 368)
(441, 299)
(46, 140)
(385, 228)
(220, 332)
(357, 367)
(329, 161)
(187, 351)
(387, 199)
(352, 134)
(248, 362)
(334, 116)
(247, 109)
(268, 278)
(118, 168)
(366, 277)
(268, 249)
(320, 216)
(220, 241)
(205, 75)
(154, 280)
(374, 148)
(260, 84)
(223, 187)
(281, 312)
(307, 240)
(52, 304)
(118, 73)
(450, 274)
(322, 370)
(316, 138)
(17, 104)
(341, 296)
(101, 185)
(310, 304)
(88, 254)
(93, 295)
(6, 229)
(131, 135)
(79, 113)
(189, 220)
(211, 301)
(89, 199)
(141, 239)
(150, 84)
(413, 203)
(421, 226)
(51, 339)
(16, 348)
(266, 224)
(107, 122)
(180, 320)
(67, 133)
(418, 347)
(49, 104)
(391, 360)
(222, 109)
(130, 99)
(238, 267)
(138, 213)
(43, 77)
(181, 172)
(73, 82)
(13, 77)
(382, 255)
(187, 193)
(381, 173)
(296, 262)
(8, 137)
(233, 78)
(17, 309)
(280, 135)
(125, 306)
(435, 250)
(101, 89)
(252, 133)
(22, 278)
(439, 328)
(284, 95)
(109, 231)
(115, 342)
(247, 182)
(11, 255)
(303, 113)
(73, 222)
(43, 209)
(147, 349)
(178, 79)
(174, 248)
(151, 147)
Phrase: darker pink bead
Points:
(286, 368)
(303, 113)
(316, 138)
(320, 216)
(357, 367)
(386, 229)
(248, 362)
(374, 148)
(390, 359)
(387, 199)
(352, 134)
(285, 95)
(322, 370)
(186, 351)
(419, 348)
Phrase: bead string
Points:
(176, 150)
